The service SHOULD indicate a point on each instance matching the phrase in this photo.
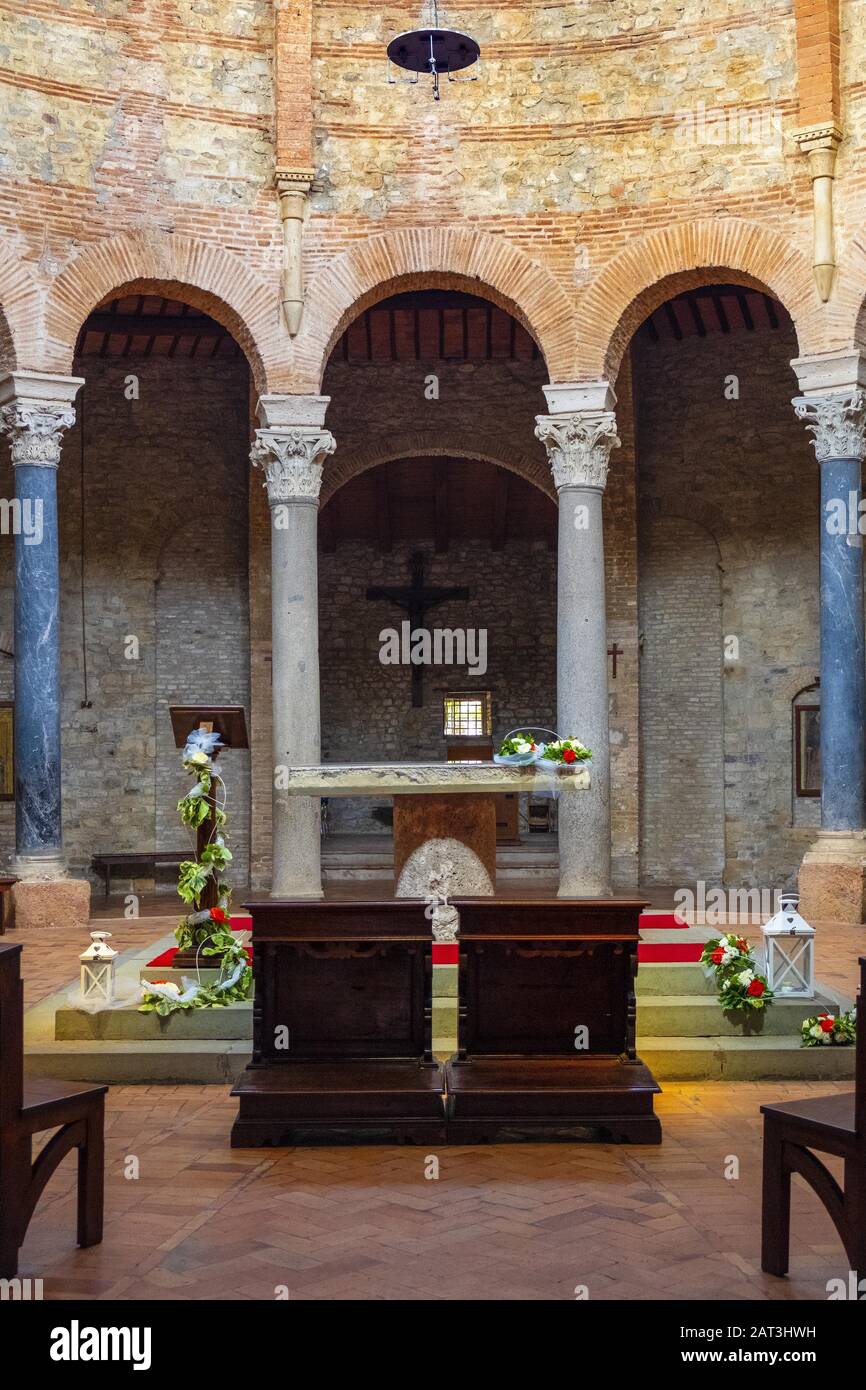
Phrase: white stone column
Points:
(291, 448)
(579, 434)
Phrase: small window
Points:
(467, 714)
(807, 750)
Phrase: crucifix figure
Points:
(614, 651)
(416, 599)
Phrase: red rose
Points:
(827, 1023)
(532, 746)
(718, 956)
(569, 755)
(756, 989)
(218, 915)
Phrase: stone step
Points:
(697, 1016)
(743, 1059)
(673, 978)
(214, 1062)
(200, 1062)
(230, 1023)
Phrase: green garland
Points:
(207, 931)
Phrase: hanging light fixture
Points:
(433, 50)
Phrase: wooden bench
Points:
(342, 1022)
(547, 1021)
(29, 1107)
(832, 1125)
(104, 863)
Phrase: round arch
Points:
(433, 258)
(653, 268)
(196, 272)
(345, 466)
(20, 317)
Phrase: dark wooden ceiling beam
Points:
(746, 312)
(673, 321)
(720, 313)
(157, 325)
(440, 507)
(697, 318)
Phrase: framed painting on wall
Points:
(807, 750)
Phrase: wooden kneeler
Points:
(832, 1125)
(77, 1112)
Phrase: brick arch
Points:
(438, 443)
(849, 293)
(415, 258)
(20, 316)
(196, 272)
(651, 269)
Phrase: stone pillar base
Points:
(59, 902)
(832, 878)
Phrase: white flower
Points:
(746, 977)
(521, 745)
(816, 1031)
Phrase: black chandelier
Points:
(433, 50)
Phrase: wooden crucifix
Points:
(416, 599)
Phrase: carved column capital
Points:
(35, 430)
(578, 447)
(292, 461)
(838, 423)
(35, 410)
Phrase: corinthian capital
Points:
(292, 461)
(838, 422)
(578, 447)
(35, 430)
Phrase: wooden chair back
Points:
(11, 1032)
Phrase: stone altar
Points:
(441, 811)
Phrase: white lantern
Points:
(97, 969)
(789, 950)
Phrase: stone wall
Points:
(734, 478)
(164, 557)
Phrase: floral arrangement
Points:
(565, 752)
(519, 748)
(824, 1029)
(205, 930)
(740, 985)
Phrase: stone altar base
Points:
(431, 829)
(832, 878)
(59, 902)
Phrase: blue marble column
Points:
(37, 411)
(838, 423)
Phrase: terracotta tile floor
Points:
(507, 1221)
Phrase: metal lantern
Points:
(97, 969)
(789, 950)
(433, 50)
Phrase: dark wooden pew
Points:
(29, 1107)
(547, 1028)
(342, 1022)
(832, 1125)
